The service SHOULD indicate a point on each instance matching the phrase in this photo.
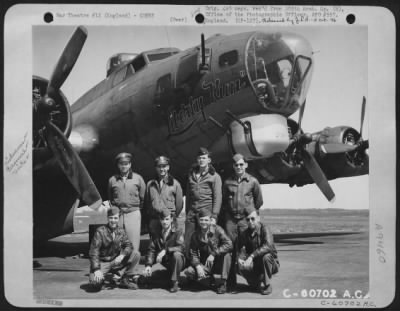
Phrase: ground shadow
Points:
(58, 270)
(89, 288)
(60, 249)
(65, 249)
(158, 279)
(195, 286)
(299, 242)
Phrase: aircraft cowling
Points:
(338, 135)
(60, 114)
(260, 136)
(351, 147)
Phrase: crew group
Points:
(241, 245)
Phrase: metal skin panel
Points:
(269, 135)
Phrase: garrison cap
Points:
(238, 157)
(203, 151)
(248, 210)
(113, 210)
(204, 212)
(123, 156)
(161, 160)
(165, 212)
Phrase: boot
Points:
(266, 290)
(126, 283)
(222, 288)
(174, 288)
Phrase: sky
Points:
(334, 98)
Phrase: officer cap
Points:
(165, 213)
(161, 160)
(203, 151)
(248, 210)
(238, 157)
(113, 210)
(204, 212)
(123, 156)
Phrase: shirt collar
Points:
(172, 228)
(244, 177)
(164, 233)
(256, 230)
(212, 229)
(210, 233)
(111, 229)
(129, 176)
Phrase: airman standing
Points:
(126, 190)
(203, 190)
(163, 192)
(239, 191)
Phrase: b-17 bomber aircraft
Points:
(231, 93)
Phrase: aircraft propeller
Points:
(361, 144)
(300, 140)
(65, 155)
(362, 114)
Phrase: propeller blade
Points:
(317, 174)
(67, 59)
(363, 144)
(362, 114)
(72, 165)
(301, 115)
(337, 148)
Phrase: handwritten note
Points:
(18, 157)
(380, 246)
(270, 14)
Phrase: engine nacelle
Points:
(60, 115)
(260, 136)
(338, 135)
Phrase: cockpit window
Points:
(229, 58)
(119, 76)
(302, 66)
(275, 72)
(138, 63)
(159, 56)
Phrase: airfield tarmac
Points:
(333, 263)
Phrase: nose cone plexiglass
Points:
(279, 67)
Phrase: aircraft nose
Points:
(277, 71)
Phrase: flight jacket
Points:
(168, 196)
(173, 243)
(203, 192)
(127, 195)
(218, 244)
(257, 243)
(104, 248)
(237, 195)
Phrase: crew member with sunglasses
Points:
(239, 191)
(257, 255)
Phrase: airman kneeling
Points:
(210, 252)
(112, 251)
(167, 248)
